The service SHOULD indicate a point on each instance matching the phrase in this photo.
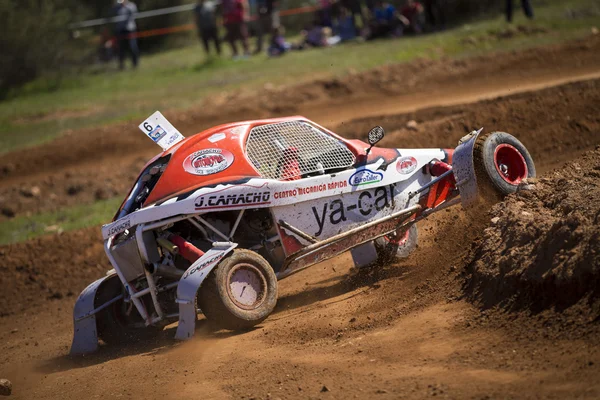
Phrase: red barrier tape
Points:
(191, 27)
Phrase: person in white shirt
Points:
(125, 29)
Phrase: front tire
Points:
(240, 292)
(396, 247)
(120, 322)
(501, 163)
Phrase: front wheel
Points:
(120, 323)
(240, 292)
(501, 163)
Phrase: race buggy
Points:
(215, 220)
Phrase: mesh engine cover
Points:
(272, 146)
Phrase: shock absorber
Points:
(186, 249)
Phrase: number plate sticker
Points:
(157, 128)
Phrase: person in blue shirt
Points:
(386, 21)
(346, 28)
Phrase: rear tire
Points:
(390, 248)
(501, 163)
(240, 292)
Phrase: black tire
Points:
(221, 296)
(389, 248)
(501, 163)
(114, 326)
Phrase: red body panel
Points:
(176, 180)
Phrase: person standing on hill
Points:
(527, 9)
(355, 8)
(205, 14)
(434, 13)
(235, 15)
(125, 29)
(413, 16)
(268, 21)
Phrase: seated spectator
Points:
(278, 45)
(414, 16)
(385, 21)
(314, 36)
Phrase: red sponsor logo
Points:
(208, 161)
(406, 165)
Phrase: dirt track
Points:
(407, 331)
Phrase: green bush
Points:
(33, 38)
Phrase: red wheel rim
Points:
(510, 164)
(397, 239)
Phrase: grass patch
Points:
(182, 78)
(24, 228)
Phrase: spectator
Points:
(355, 8)
(434, 13)
(413, 16)
(346, 29)
(268, 21)
(107, 45)
(125, 29)
(313, 35)
(205, 14)
(527, 9)
(385, 22)
(235, 15)
(278, 44)
(325, 13)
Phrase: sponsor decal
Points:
(304, 190)
(406, 165)
(157, 133)
(366, 204)
(208, 161)
(205, 264)
(119, 227)
(365, 177)
(232, 200)
(216, 137)
(174, 138)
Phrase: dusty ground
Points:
(415, 329)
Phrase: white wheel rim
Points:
(246, 286)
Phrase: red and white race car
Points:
(215, 220)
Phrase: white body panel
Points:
(265, 193)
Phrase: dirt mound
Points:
(543, 247)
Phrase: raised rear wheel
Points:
(501, 163)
